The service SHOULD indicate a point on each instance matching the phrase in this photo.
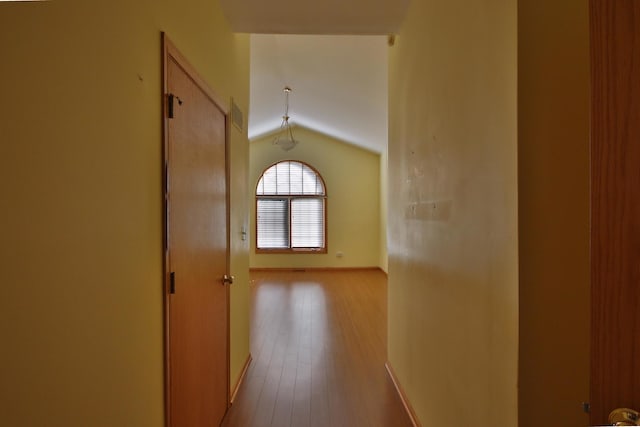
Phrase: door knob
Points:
(227, 280)
(624, 417)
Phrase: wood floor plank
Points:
(318, 341)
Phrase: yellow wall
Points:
(239, 218)
(453, 265)
(384, 197)
(80, 143)
(553, 144)
(352, 177)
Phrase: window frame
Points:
(289, 198)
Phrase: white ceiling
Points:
(339, 86)
(339, 78)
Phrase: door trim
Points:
(169, 50)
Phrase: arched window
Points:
(291, 209)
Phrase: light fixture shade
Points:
(285, 143)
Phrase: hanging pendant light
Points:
(284, 139)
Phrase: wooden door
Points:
(197, 256)
(615, 211)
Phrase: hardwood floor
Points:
(318, 341)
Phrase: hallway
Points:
(318, 341)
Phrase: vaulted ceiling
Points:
(333, 55)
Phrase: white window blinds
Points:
(290, 178)
(273, 223)
(307, 223)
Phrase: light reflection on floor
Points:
(318, 341)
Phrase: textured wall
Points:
(452, 226)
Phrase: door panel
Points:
(197, 254)
(615, 210)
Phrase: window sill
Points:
(292, 251)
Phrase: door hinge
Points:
(172, 282)
(170, 98)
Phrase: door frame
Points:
(169, 50)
